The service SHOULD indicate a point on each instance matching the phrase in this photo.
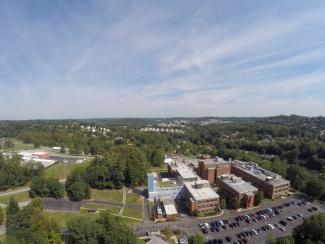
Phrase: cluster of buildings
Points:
(213, 121)
(37, 157)
(199, 185)
(169, 130)
(243, 177)
(176, 123)
(95, 129)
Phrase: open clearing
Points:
(20, 197)
(133, 198)
(62, 170)
(109, 195)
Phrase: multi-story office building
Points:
(210, 169)
(200, 197)
(236, 188)
(182, 171)
(273, 185)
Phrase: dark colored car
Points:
(228, 238)
(283, 222)
(314, 208)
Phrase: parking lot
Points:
(190, 225)
(256, 226)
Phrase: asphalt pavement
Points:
(190, 225)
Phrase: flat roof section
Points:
(214, 162)
(201, 190)
(170, 209)
(260, 173)
(185, 172)
(238, 184)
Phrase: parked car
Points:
(206, 225)
(228, 238)
(283, 222)
(271, 226)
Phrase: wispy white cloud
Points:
(108, 58)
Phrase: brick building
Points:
(273, 185)
(210, 169)
(200, 197)
(234, 187)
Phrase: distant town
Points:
(201, 180)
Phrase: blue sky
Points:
(83, 59)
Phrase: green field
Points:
(129, 212)
(63, 218)
(20, 197)
(112, 195)
(2, 238)
(62, 170)
(133, 198)
(158, 169)
(19, 145)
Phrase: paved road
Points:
(190, 225)
(123, 201)
(2, 229)
(8, 193)
(284, 213)
(24, 189)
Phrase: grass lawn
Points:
(166, 183)
(2, 238)
(62, 170)
(63, 218)
(158, 169)
(19, 145)
(127, 221)
(112, 195)
(20, 197)
(133, 198)
(129, 212)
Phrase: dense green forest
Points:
(292, 146)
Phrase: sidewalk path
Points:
(123, 201)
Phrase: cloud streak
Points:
(111, 59)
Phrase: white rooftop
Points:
(201, 190)
(170, 209)
(238, 184)
(260, 173)
(185, 172)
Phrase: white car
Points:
(282, 228)
(271, 226)
(289, 218)
(255, 232)
(206, 225)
